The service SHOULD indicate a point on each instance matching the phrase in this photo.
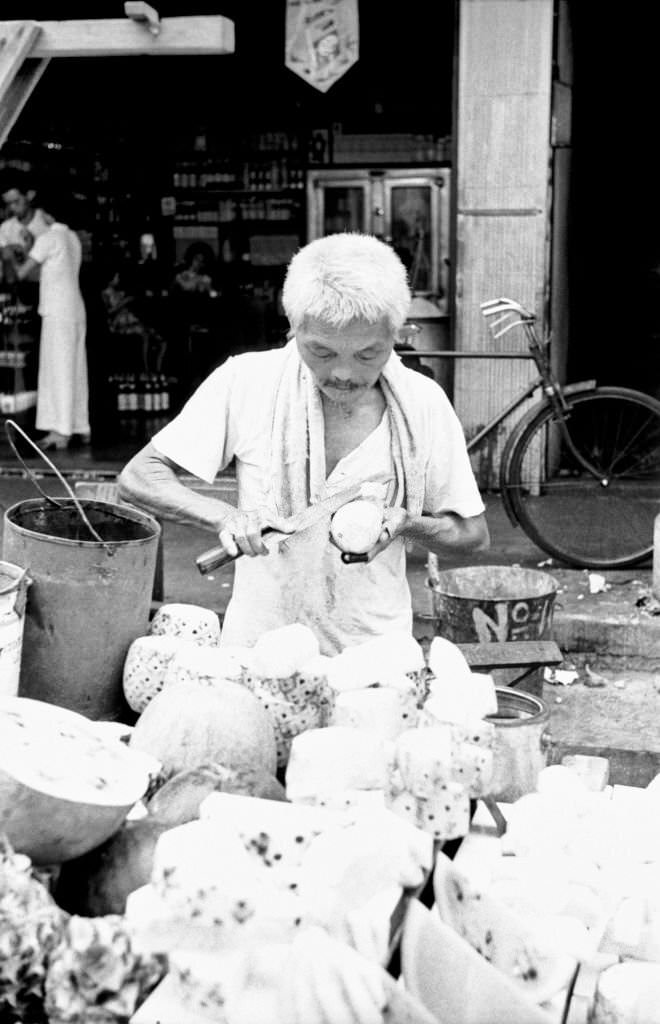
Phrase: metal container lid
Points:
(516, 707)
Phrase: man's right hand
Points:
(241, 532)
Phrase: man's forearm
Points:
(154, 486)
(448, 532)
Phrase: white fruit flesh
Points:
(356, 526)
(335, 759)
(187, 622)
(64, 786)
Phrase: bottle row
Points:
(141, 392)
(273, 176)
(228, 210)
(15, 358)
(141, 428)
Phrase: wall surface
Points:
(502, 202)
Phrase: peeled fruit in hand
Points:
(356, 526)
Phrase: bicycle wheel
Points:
(593, 522)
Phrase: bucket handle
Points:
(71, 493)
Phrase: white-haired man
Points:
(334, 405)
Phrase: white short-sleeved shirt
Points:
(12, 229)
(58, 250)
(229, 416)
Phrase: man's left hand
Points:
(394, 523)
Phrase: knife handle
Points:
(348, 558)
(218, 557)
(214, 558)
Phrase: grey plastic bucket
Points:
(14, 582)
(87, 601)
(491, 603)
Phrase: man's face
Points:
(17, 203)
(345, 361)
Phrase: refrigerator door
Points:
(408, 208)
(338, 201)
(416, 225)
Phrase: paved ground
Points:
(612, 631)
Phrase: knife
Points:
(217, 557)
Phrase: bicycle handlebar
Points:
(503, 305)
(511, 314)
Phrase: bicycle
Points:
(580, 471)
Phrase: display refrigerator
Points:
(409, 209)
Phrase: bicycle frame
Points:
(517, 401)
(512, 314)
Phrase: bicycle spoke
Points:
(566, 509)
(630, 443)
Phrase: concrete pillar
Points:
(503, 203)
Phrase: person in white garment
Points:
(333, 406)
(24, 222)
(22, 225)
(62, 383)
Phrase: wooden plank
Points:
(511, 653)
(17, 39)
(121, 37)
(17, 94)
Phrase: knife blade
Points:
(217, 557)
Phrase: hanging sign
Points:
(322, 39)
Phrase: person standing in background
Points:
(150, 297)
(20, 229)
(194, 315)
(62, 383)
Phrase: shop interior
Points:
(217, 154)
(209, 160)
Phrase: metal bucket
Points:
(490, 603)
(88, 601)
(522, 743)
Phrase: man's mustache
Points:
(341, 385)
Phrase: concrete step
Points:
(613, 628)
(618, 720)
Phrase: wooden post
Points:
(502, 198)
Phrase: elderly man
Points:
(335, 405)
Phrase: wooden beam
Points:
(17, 94)
(19, 73)
(123, 37)
(17, 39)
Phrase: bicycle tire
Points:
(566, 511)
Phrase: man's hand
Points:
(241, 532)
(395, 521)
(18, 253)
